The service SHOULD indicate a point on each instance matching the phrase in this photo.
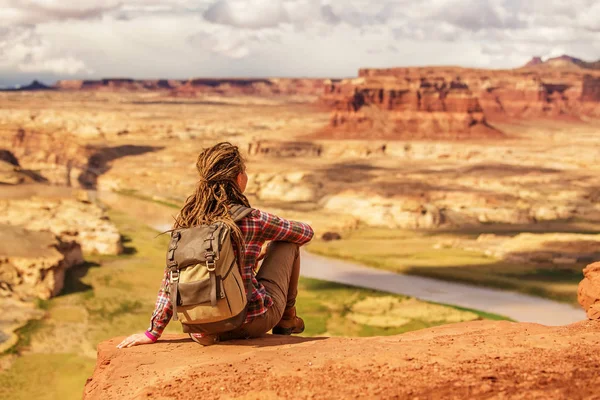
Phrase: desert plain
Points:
(488, 178)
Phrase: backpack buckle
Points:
(210, 260)
(174, 276)
(210, 265)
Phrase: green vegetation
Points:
(137, 195)
(414, 253)
(25, 334)
(114, 296)
(46, 377)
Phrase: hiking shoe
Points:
(204, 339)
(290, 323)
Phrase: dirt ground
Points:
(483, 359)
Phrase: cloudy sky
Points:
(57, 39)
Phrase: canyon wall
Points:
(454, 103)
(385, 107)
(590, 91)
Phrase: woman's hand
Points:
(263, 251)
(135, 340)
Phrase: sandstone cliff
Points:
(482, 359)
(386, 107)
(455, 103)
(33, 263)
(67, 219)
(523, 93)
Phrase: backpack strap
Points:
(173, 271)
(238, 212)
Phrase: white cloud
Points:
(30, 12)
(249, 14)
(58, 66)
(26, 51)
(286, 37)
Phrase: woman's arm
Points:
(276, 228)
(163, 311)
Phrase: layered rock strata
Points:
(524, 93)
(384, 107)
(454, 103)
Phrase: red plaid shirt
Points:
(257, 228)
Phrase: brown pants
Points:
(279, 275)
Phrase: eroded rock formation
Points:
(561, 249)
(590, 91)
(291, 187)
(449, 103)
(481, 359)
(564, 61)
(57, 155)
(271, 148)
(11, 172)
(523, 93)
(33, 263)
(588, 293)
(64, 158)
(15, 314)
(69, 220)
(387, 107)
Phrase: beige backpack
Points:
(207, 290)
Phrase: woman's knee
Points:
(287, 247)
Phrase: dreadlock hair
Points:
(218, 168)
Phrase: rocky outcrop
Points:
(11, 172)
(390, 107)
(520, 93)
(483, 359)
(57, 155)
(15, 314)
(69, 220)
(590, 91)
(454, 103)
(561, 249)
(34, 86)
(562, 62)
(11, 175)
(66, 158)
(8, 157)
(380, 211)
(287, 188)
(33, 264)
(534, 61)
(588, 292)
(272, 148)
